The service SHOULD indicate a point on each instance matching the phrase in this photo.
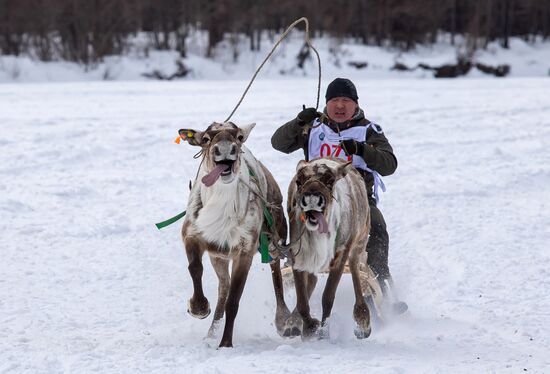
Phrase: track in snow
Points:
(87, 283)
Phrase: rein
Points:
(285, 250)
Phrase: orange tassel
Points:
(303, 217)
(178, 140)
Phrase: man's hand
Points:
(352, 147)
(307, 115)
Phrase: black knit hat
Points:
(341, 87)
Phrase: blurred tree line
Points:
(87, 30)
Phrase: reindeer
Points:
(329, 224)
(224, 218)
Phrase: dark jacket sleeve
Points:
(378, 153)
(288, 137)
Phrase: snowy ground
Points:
(524, 59)
(88, 284)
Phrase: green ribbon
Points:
(268, 217)
(169, 221)
(268, 220)
(264, 250)
(264, 242)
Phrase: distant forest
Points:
(87, 30)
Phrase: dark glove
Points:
(352, 147)
(307, 115)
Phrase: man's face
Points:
(341, 109)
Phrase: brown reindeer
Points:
(224, 218)
(329, 225)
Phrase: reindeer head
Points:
(314, 191)
(221, 146)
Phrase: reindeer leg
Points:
(334, 276)
(239, 273)
(221, 266)
(198, 305)
(282, 314)
(361, 313)
(311, 283)
(310, 325)
(293, 325)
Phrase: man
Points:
(343, 131)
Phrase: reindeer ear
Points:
(244, 131)
(192, 137)
(301, 164)
(342, 170)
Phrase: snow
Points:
(525, 60)
(89, 284)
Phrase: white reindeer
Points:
(225, 216)
(329, 225)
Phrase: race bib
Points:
(323, 142)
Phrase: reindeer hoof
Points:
(361, 315)
(281, 317)
(214, 328)
(292, 326)
(310, 330)
(291, 332)
(361, 334)
(199, 310)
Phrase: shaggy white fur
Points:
(317, 250)
(223, 222)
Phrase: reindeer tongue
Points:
(211, 178)
(323, 225)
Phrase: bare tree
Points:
(88, 30)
